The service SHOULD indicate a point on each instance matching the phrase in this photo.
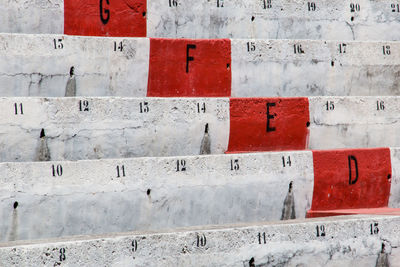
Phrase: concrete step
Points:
(41, 65)
(326, 19)
(102, 196)
(338, 241)
(38, 129)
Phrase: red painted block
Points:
(351, 179)
(375, 211)
(105, 17)
(268, 124)
(191, 68)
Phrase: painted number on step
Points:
(262, 238)
(118, 46)
(173, 3)
(373, 227)
(320, 230)
(181, 165)
(201, 107)
(311, 6)
(330, 105)
(57, 170)
(286, 162)
(58, 43)
(83, 105)
(62, 254)
(134, 245)
(267, 4)
(120, 171)
(386, 50)
(354, 7)
(18, 109)
(342, 48)
(201, 240)
(380, 105)
(234, 164)
(298, 49)
(251, 46)
(144, 107)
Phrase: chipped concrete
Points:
(342, 241)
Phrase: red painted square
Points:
(105, 17)
(191, 68)
(335, 189)
(268, 124)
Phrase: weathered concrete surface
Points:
(342, 241)
(110, 127)
(371, 20)
(39, 65)
(53, 199)
(395, 179)
(354, 122)
(348, 20)
(126, 127)
(254, 68)
(273, 68)
(32, 16)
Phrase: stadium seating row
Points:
(304, 19)
(35, 129)
(60, 65)
(114, 195)
(347, 241)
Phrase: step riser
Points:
(348, 20)
(157, 67)
(130, 127)
(344, 242)
(156, 193)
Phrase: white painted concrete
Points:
(347, 242)
(39, 65)
(111, 128)
(272, 69)
(354, 122)
(284, 20)
(87, 197)
(32, 16)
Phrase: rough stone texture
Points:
(345, 241)
(354, 122)
(273, 68)
(87, 197)
(284, 20)
(98, 69)
(110, 128)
